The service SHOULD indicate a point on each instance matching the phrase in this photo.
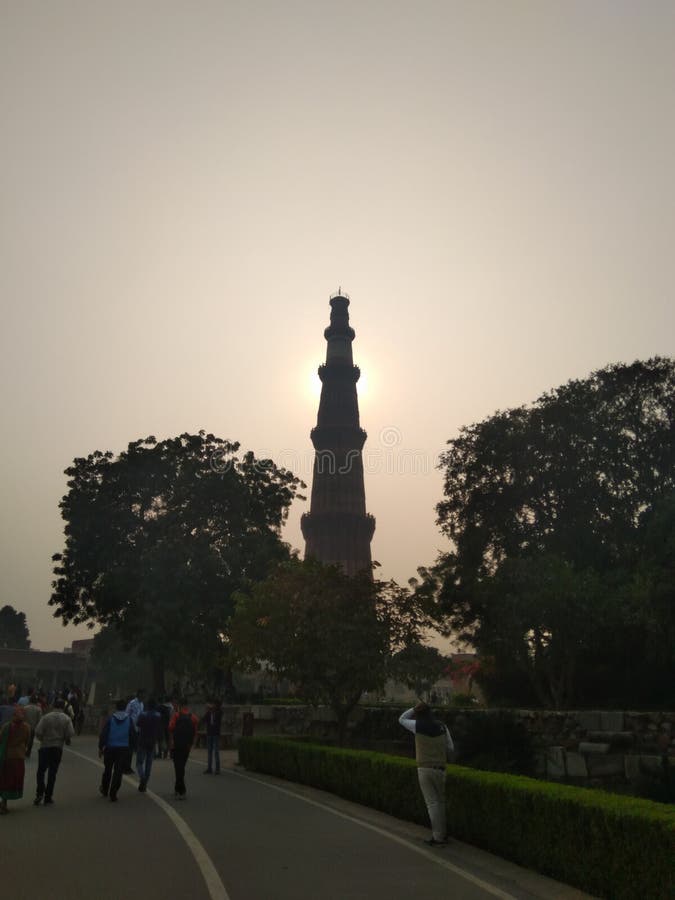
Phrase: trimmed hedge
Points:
(605, 844)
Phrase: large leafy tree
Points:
(329, 633)
(14, 634)
(159, 538)
(546, 508)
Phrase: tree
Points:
(649, 618)
(121, 670)
(541, 616)
(546, 507)
(573, 474)
(329, 633)
(418, 666)
(159, 538)
(14, 634)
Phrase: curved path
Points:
(236, 837)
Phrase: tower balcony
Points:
(336, 371)
(338, 437)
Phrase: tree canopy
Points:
(14, 634)
(418, 666)
(329, 633)
(547, 507)
(160, 537)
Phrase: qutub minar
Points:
(337, 528)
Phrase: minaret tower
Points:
(337, 528)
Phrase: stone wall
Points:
(601, 747)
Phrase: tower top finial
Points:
(340, 293)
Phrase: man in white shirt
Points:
(432, 745)
(53, 731)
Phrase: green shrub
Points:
(611, 846)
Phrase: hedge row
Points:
(608, 845)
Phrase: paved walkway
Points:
(236, 837)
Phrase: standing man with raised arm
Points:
(432, 745)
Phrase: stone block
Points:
(323, 714)
(617, 739)
(611, 720)
(592, 747)
(540, 765)
(631, 767)
(589, 720)
(651, 765)
(612, 764)
(576, 765)
(555, 762)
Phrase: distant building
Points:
(48, 670)
(81, 648)
(337, 528)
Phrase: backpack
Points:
(183, 732)
(119, 732)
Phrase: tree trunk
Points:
(158, 685)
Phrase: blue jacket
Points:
(116, 731)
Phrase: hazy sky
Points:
(183, 184)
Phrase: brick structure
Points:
(337, 528)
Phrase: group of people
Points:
(152, 731)
(70, 694)
(155, 730)
(53, 729)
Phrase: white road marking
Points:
(427, 854)
(214, 885)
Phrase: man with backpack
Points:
(182, 737)
(148, 726)
(114, 744)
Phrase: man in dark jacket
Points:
(212, 719)
(182, 737)
(149, 729)
(114, 744)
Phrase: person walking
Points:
(14, 738)
(33, 714)
(212, 720)
(133, 709)
(149, 727)
(432, 745)
(182, 736)
(114, 745)
(166, 711)
(53, 730)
